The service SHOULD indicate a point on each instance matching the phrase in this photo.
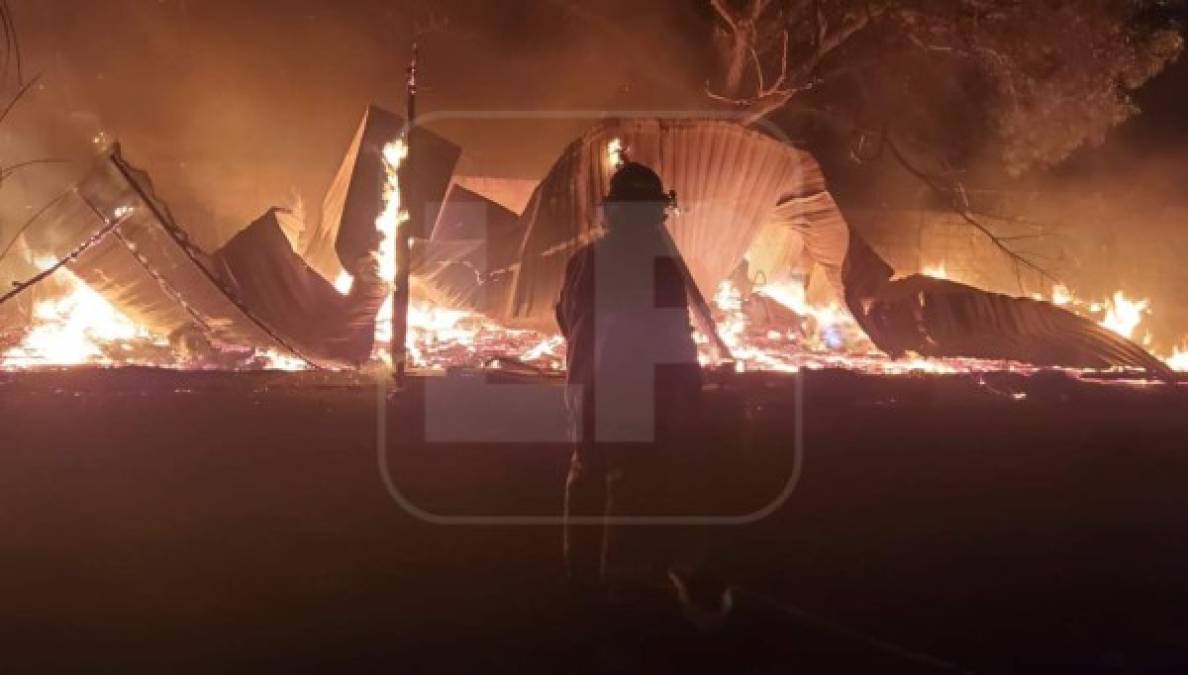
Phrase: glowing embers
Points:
(442, 338)
(777, 329)
(272, 360)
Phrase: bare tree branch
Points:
(820, 26)
(944, 49)
(758, 7)
(12, 44)
(783, 77)
(18, 96)
(32, 219)
(9, 170)
(747, 35)
(765, 106)
(725, 13)
(760, 87)
(839, 37)
(960, 207)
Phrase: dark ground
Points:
(170, 522)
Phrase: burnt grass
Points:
(158, 521)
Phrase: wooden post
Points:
(401, 293)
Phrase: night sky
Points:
(235, 106)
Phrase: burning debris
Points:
(940, 318)
(1120, 314)
(760, 230)
(80, 326)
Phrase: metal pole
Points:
(401, 293)
(702, 315)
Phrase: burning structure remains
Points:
(110, 278)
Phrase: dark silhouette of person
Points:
(634, 389)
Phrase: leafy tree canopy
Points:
(1026, 82)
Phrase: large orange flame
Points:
(76, 327)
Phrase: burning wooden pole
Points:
(401, 293)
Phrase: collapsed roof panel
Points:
(466, 263)
(940, 318)
(742, 194)
(801, 232)
(262, 270)
(728, 179)
(122, 241)
(319, 249)
(510, 193)
(109, 265)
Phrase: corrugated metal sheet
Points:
(346, 231)
(285, 293)
(147, 268)
(475, 237)
(510, 193)
(801, 232)
(729, 181)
